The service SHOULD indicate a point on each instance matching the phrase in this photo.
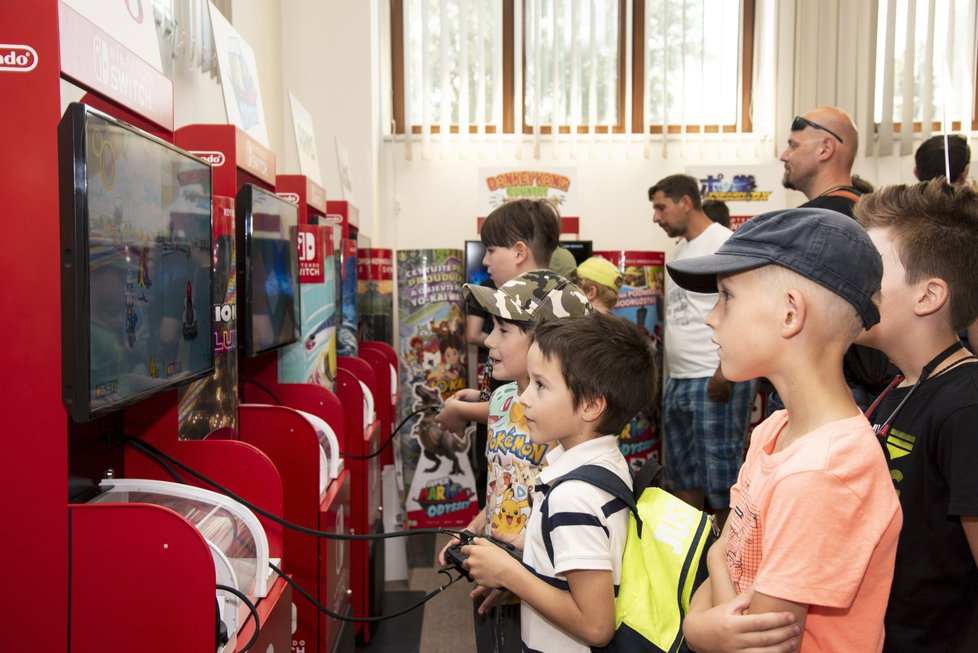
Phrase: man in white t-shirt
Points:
(704, 416)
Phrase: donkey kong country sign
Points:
(500, 185)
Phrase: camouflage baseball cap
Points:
(531, 297)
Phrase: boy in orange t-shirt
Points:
(805, 560)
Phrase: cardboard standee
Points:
(436, 467)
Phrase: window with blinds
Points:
(452, 73)
(695, 58)
(925, 66)
(571, 66)
(574, 65)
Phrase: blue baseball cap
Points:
(828, 247)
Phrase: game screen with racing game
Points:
(137, 226)
(269, 236)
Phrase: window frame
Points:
(637, 81)
(619, 126)
(746, 77)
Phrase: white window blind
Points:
(692, 63)
(572, 57)
(453, 65)
(925, 69)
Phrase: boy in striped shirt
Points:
(588, 377)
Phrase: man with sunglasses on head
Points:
(818, 160)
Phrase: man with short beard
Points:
(818, 160)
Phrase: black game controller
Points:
(454, 556)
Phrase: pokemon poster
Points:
(436, 469)
(641, 301)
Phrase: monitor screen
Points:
(268, 262)
(581, 249)
(136, 268)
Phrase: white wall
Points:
(330, 61)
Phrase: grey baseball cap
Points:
(531, 297)
(825, 246)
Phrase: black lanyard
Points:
(925, 373)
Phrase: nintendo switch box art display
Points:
(136, 271)
(268, 253)
(431, 327)
(641, 301)
(211, 403)
(346, 326)
(313, 358)
(375, 304)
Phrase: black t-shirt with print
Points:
(932, 452)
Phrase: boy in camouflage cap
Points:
(513, 459)
(533, 296)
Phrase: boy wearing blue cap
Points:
(805, 560)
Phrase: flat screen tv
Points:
(136, 264)
(268, 262)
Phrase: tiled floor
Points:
(445, 620)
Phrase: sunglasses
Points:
(799, 123)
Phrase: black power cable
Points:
(366, 620)
(160, 458)
(251, 609)
(390, 438)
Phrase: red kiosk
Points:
(318, 565)
(372, 427)
(153, 563)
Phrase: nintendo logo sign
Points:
(214, 158)
(17, 58)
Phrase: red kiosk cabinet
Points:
(236, 158)
(310, 196)
(346, 215)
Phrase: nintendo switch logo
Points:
(17, 58)
(289, 197)
(216, 159)
(307, 246)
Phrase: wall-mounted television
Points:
(135, 267)
(268, 264)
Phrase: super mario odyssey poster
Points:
(436, 469)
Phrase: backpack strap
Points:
(599, 477)
(650, 475)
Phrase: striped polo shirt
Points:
(588, 530)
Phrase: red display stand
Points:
(37, 458)
(382, 358)
(339, 586)
(346, 215)
(367, 561)
(236, 157)
(319, 565)
(310, 196)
